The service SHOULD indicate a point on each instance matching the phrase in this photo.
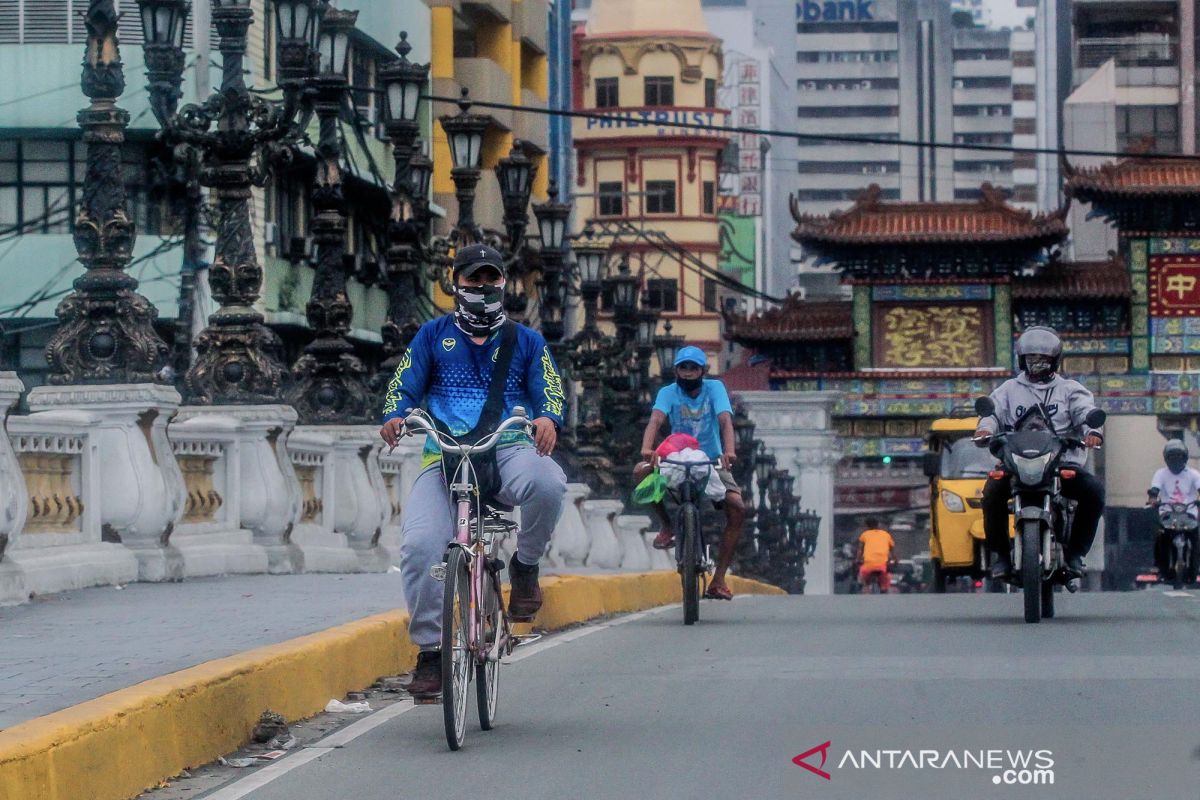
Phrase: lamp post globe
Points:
(666, 346)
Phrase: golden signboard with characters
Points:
(951, 335)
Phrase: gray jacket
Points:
(1067, 402)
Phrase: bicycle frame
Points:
(471, 532)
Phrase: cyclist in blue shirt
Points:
(447, 369)
(698, 406)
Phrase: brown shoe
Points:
(427, 677)
(526, 596)
(665, 540)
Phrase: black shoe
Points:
(526, 596)
(427, 677)
(1074, 566)
(1001, 568)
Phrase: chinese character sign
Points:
(1175, 286)
(912, 337)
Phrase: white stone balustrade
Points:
(270, 495)
(209, 538)
(571, 542)
(141, 492)
(604, 550)
(62, 545)
(629, 528)
(319, 547)
(14, 502)
(356, 499)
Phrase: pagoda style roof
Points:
(1076, 280)
(1134, 177)
(795, 320)
(873, 221)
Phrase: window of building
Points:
(660, 90)
(848, 167)
(41, 183)
(845, 56)
(611, 199)
(1024, 160)
(607, 93)
(660, 197)
(814, 195)
(710, 93)
(362, 74)
(1024, 58)
(1158, 125)
(662, 294)
(983, 82)
(810, 112)
(710, 295)
(709, 199)
(61, 22)
(1024, 91)
(1024, 125)
(981, 54)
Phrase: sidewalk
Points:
(63, 649)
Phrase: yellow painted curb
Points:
(118, 745)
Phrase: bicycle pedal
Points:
(495, 565)
(525, 638)
(438, 572)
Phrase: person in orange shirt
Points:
(876, 551)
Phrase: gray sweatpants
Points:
(534, 483)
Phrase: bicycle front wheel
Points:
(456, 652)
(487, 673)
(689, 567)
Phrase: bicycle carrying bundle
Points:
(487, 470)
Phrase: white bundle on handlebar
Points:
(714, 487)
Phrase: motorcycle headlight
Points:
(952, 502)
(1031, 470)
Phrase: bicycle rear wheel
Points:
(487, 673)
(456, 655)
(689, 568)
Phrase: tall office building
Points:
(897, 70)
(1133, 82)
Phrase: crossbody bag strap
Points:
(493, 408)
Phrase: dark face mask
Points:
(1176, 464)
(479, 310)
(689, 385)
(1040, 368)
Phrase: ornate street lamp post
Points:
(236, 132)
(330, 380)
(515, 174)
(464, 131)
(403, 82)
(106, 331)
(666, 346)
(552, 229)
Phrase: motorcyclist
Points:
(1066, 404)
(1174, 483)
(448, 369)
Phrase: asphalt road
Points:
(1109, 692)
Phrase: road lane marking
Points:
(265, 775)
(1177, 594)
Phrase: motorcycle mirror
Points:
(984, 407)
(1095, 418)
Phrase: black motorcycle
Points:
(1178, 527)
(1031, 455)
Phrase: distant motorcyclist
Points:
(1174, 483)
(1065, 403)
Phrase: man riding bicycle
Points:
(698, 406)
(447, 369)
(876, 552)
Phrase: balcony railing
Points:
(1129, 51)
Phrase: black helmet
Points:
(1175, 454)
(1039, 341)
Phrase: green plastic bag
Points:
(651, 490)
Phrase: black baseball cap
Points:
(471, 258)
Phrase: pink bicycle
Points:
(476, 626)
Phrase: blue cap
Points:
(693, 354)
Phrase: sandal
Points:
(718, 592)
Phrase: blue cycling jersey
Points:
(447, 374)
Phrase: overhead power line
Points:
(812, 137)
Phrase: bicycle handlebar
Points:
(419, 422)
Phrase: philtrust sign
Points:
(658, 122)
(835, 11)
